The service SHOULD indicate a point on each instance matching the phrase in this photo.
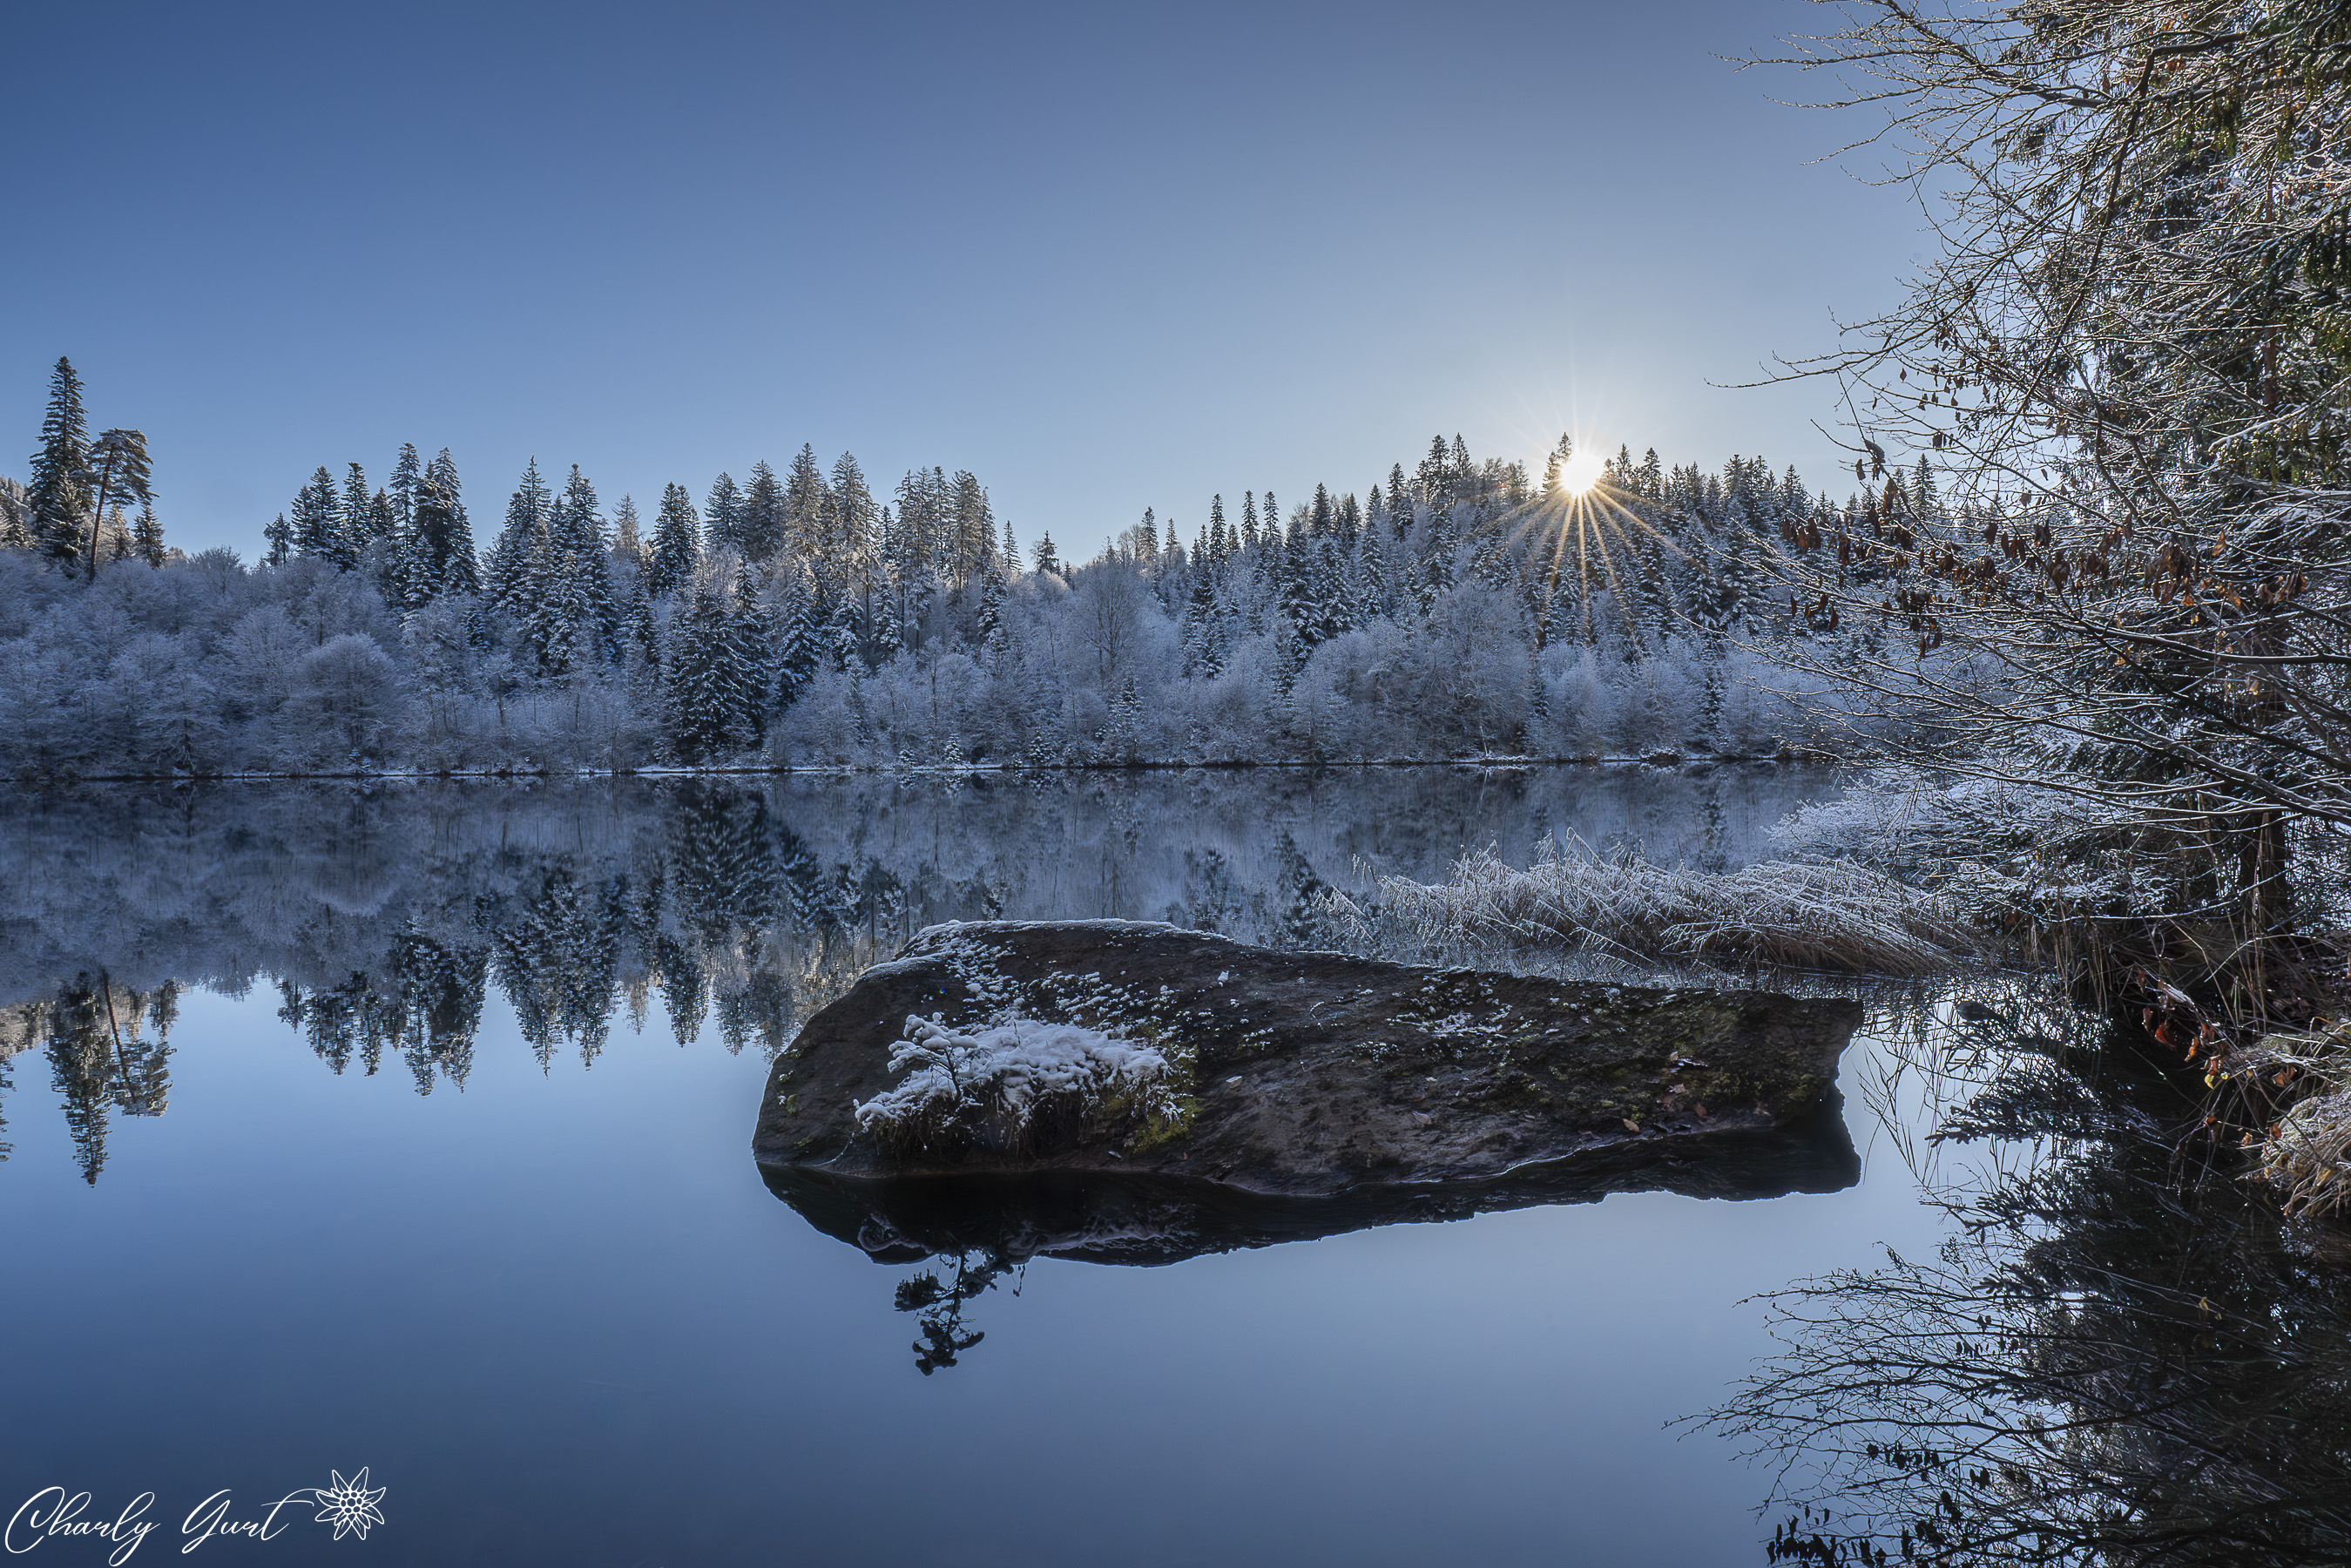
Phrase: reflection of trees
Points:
(99, 1061)
(385, 917)
(939, 1305)
(2120, 1356)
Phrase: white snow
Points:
(1010, 1064)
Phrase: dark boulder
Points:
(1303, 1093)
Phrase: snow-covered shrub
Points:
(1017, 1086)
(1801, 914)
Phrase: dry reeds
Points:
(1832, 915)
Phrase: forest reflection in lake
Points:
(383, 915)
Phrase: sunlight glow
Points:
(1581, 471)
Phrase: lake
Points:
(407, 1127)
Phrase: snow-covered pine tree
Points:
(576, 529)
(361, 524)
(677, 542)
(146, 534)
(512, 559)
(855, 515)
(806, 521)
(722, 514)
(799, 650)
(57, 500)
(277, 541)
(972, 527)
(318, 521)
(990, 628)
(440, 554)
(452, 566)
(762, 523)
(16, 516)
(627, 542)
(709, 684)
(407, 472)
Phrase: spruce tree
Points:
(707, 677)
(677, 542)
(405, 474)
(512, 558)
(973, 526)
(146, 534)
(579, 555)
(762, 523)
(318, 521)
(855, 514)
(277, 539)
(57, 500)
(358, 512)
(627, 544)
(722, 514)
(799, 650)
(440, 557)
(454, 566)
(807, 510)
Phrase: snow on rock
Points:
(1007, 1069)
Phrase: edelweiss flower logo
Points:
(349, 1505)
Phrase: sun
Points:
(1581, 471)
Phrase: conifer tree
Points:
(511, 559)
(278, 538)
(990, 625)
(807, 522)
(577, 554)
(973, 526)
(440, 555)
(57, 500)
(799, 650)
(118, 460)
(358, 513)
(709, 688)
(627, 544)
(318, 521)
(762, 521)
(452, 565)
(721, 513)
(677, 542)
(146, 534)
(406, 473)
(855, 514)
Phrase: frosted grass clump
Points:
(995, 1084)
(1802, 914)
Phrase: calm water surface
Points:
(409, 1129)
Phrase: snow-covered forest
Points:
(1459, 607)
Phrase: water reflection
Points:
(386, 918)
(2122, 1354)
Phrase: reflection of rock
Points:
(1115, 1217)
(1319, 1094)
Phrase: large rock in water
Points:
(1304, 1093)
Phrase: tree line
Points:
(1459, 607)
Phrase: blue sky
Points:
(1106, 257)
